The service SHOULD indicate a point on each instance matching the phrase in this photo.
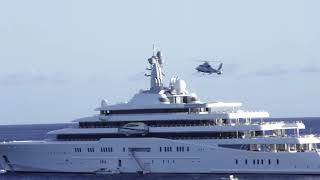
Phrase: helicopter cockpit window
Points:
(206, 64)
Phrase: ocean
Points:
(38, 132)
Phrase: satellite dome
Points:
(180, 86)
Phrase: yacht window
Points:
(156, 123)
(277, 161)
(107, 149)
(185, 99)
(147, 149)
(292, 147)
(149, 111)
(281, 147)
(236, 161)
(198, 135)
(235, 146)
(269, 161)
(246, 161)
(90, 149)
(132, 125)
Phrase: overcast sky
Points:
(60, 58)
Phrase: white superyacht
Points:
(166, 129)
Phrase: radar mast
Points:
(156, 75)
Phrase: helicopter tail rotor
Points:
(220, 69)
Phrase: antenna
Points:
(153, 49)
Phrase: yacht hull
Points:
(150, 155)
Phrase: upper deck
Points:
(174, 102)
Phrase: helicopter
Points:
(208, 69)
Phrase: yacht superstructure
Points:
(169, 130)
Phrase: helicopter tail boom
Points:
(220, 67)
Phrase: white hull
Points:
(203, 156)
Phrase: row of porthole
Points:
(106, 149)
(110, 149)
(257, 161)
(103, 161)
(91, 149)
(178, 149)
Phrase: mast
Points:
(156, 75)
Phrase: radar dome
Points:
(104, 102)
(180, 86)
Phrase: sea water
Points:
(38, 132)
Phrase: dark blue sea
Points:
(38, 132)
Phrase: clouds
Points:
(33, 77)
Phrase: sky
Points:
(58, 59)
